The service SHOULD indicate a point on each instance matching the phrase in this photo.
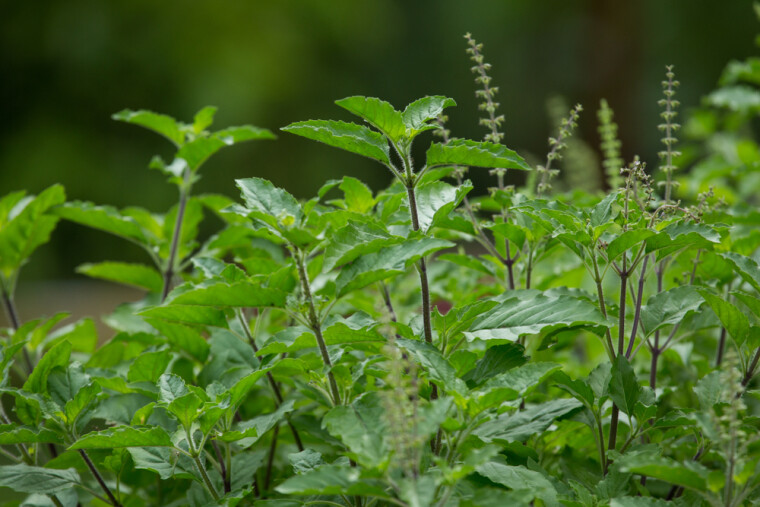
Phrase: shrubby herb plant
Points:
(416, 346)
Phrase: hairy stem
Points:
(205, 477)
(99, 478)
(602, 307)
(751, 370)
(184, 193)
(315, 324)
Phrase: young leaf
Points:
(476, 154)
(10, 434)
(378, 113)
(419, 113)
(357, 195)
(626, 240)
(624, 389)
(385, 263)
(436, 200)
(159, 123)
(354, 240)
(137, 275)
(272, 205)
(196, 152)
(149, 366)
(203, 119)
(347, 136)
(330, 480)
(29, 228)
(57, 356)
(187, 314)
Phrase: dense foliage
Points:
(414, 346)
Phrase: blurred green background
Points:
(67, 66)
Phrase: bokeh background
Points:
(67, 66)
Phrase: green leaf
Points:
(735, 322)
(182, 338)
(509, 386)
(669, 307)
(306, 460)
(124, 436)
(137, 275)
(520, 478)
(438, 368)
(624, 389)
(638, 501)
(203, 119)
(357, 195)
(664, 469)
(419, 113)
(746, 267)
(247, 433)
(378, 113)
(171, 387)
(159, 123)
(626, 240)
(28, 228)
(240, 294)
(354, 240)
(330, 480)
(104, 218)
(740, 98)
(519, 426)
(29, 479)
(436, 200)
(385, 263)
(531, 312)
(196, 152)
(11, 434)
(477, 154)
(346, 136)
(361, 426)
(149, 366)
(496, 360)
(57, 356)
(186, 408)
(579, 389)
(163, 461)
(709, 390)
(274, 206)
(187, 314)
(603, 212)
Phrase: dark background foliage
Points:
(67, 66)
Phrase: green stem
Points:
(184, 193)
(602, 307)
(226, 476)
(428, 329)
(637, 313)
(315, 324)
(99, 478)
(205, 477)
(270, 458)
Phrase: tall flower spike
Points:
(487, 93)
(557, 144)
(669, 128)
(610, 145)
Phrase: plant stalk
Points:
(270, 458)
(205, 477)
(315, 325)
(226, 479)
(99, 478)
(184, 193)
(637, 313)
(428, 328)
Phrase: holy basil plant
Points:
(427, 344)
